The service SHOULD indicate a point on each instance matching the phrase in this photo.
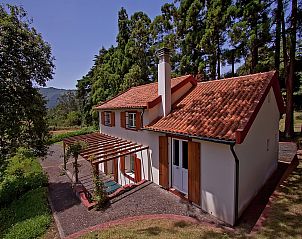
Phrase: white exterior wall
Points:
(217, 180)
(256, 161)
(143, 137)
(180, 92)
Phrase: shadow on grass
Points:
(285, 218)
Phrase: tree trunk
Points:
(76, 170)
(278, 35)
(233, 62)
(254, 50)
(284, 44)
(218, 57)
(289, 123)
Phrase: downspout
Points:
(236, 190)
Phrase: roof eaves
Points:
(121, 108)
(203, 138)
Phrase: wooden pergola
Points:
(104, 147)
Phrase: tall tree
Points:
(289, 123)
(278, 15)
(216, 21)
(25, 59)
(190, 29)
(123, 28)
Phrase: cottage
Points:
(216, 142)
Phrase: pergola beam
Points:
(102, 146)
(113, 152)
(112, 149)
(120, 155)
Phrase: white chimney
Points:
(164, 79)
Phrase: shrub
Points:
(22, 174)
(26, 217)
(60, 137)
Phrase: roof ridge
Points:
(156, 82)
(236, 77)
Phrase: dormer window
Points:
(131, 120)
(107, 116)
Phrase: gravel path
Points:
(72, 216)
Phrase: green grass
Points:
(59, 137)
(27, 217)
(284, 221)
(285, 218)
(162, 228)
(297, 122)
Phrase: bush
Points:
(22, 174)
(27, 217)
(60, 137)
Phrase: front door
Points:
(180, 165)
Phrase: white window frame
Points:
(131, 120)
(107, 116)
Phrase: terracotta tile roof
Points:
(217, 109)
(140, 96)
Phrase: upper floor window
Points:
(107, 116)
(131, 120)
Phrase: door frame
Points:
(180, 139)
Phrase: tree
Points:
(289, 122)
(216, 21)
(66, 112)
(190, 29)
(25, 59)
(74, 151)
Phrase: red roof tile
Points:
(140, 96)
(218, 109)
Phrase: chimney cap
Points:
(163, 51)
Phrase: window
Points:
(131, 168)
(131, 120)
(107, 120)
(176, 152)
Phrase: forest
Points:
(209, 39)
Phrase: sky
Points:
(77, 29)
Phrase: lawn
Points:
(162, 228)
(284, 221)
(297, 122)
(27, 217)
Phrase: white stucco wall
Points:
(217, 180)
(143, 137)
(257, 160)
(180, 92)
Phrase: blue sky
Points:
(77, 29)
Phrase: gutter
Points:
(221, 141)
(236, 189)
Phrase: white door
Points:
(180, 165)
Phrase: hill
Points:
(52, 95)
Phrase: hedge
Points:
(60, 137)
(22, 174)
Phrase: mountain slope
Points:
(52, 95)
